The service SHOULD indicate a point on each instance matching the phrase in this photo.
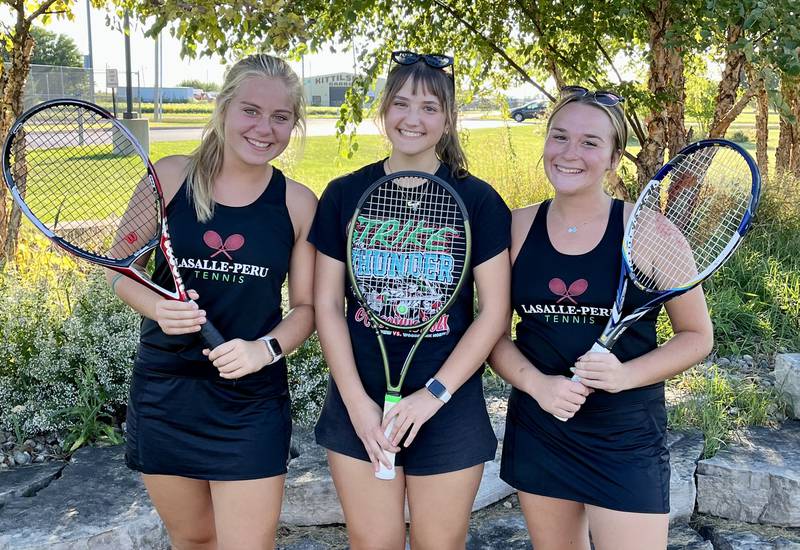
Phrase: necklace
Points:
(574, 228)
(389, 169)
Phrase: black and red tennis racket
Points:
(86, 183)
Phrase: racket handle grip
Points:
(211, 335)
(383, 472)
(597, 347)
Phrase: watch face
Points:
(275, 347)
(436, 388)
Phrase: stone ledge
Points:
(756, 480)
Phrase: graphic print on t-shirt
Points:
(221, 265)
(404, 268)
(567, 307)
(214, 241)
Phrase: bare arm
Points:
(173, 317)
(237, 357)
(693, 340)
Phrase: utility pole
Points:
(91, 56)
(128, 84)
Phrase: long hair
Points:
(614, 112)
(440, 84)
(205, 162)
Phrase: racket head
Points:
(408, 249)
(83, 180)
(691, 217)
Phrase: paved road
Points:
(314, 127)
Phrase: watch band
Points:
(438, 390)
(274, 348)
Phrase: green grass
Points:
(719, 405)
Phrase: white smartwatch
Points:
(438, 390)
(274, 347)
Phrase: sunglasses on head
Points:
(603, 97)
(435, 60)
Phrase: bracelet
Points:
(114, 282)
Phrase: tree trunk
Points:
(794, 159)
(651, 157)
(762, 114)
(728, 86)
(786, 154)
(11, 108)
(676, 130)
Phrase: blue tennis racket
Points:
(686, 224)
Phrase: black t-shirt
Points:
(564, 302)
(490, 219)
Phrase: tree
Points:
(505, 41)
(199, 84)
(54, 49)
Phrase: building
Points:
(328, 90)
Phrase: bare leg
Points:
(614, 530)
(440, 507)
(186, 509)
(246, 512)
(373, 508)
(555, 523)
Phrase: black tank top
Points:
(564, 301)
(237, 262)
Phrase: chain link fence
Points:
(47, 82)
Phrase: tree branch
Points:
(498, 50)
(39, 11)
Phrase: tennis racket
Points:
(686, 224)
(86, 183)
(408, 254)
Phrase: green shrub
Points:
(66, 343)
(308, 381)
(740, 137)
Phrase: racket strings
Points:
(409, 251)
(685, 223)
(85, 181)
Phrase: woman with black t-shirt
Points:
(606, 469)
(209, 429)
(441, 442)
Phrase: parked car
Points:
(534, 109)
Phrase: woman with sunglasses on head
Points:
(604, 469)
(442, 432)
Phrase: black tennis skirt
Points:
(212, 429)
(614, 457)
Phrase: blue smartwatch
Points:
(438, 390)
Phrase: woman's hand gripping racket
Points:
(87, 184)
(408, 254)
(685, 225)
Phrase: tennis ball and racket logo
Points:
(575, 289)
(232, 243)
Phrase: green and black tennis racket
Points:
(408, 254)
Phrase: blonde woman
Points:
(209, 429)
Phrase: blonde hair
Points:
(615, 113)
(440, 84)
(205, 162)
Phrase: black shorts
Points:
(613, 457)
(458, 436)
(211, 429)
